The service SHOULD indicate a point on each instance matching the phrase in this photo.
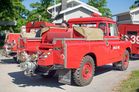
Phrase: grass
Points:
(131, 84)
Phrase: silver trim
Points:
(65, 53)
(38, 38)
(18, 44)
(111, 38)
(55, 39)
(24, 40)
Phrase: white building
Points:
(129, 17)
(135, 15)
(71, 9)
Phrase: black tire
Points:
(50, 74)
(123, 64)
(78, 74)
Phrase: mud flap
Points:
(64, 76)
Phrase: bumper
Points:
(28, 68)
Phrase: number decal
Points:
(137, 39)
(134, 39)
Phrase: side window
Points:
(113, 30)
(103, 27)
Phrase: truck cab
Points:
(131, 33)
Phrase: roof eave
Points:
(123, 13)
(64, 11)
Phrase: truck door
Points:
(105, 44)
(114, 43)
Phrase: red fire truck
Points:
(74, 52)
(11, 41)
(131, 33)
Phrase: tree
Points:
(39, 11)
(12, 10)
(101, 6)
(135, 5)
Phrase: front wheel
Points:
(84, 74)
(123, 64)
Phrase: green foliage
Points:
(39, 11)
(101, 5)
(12, 10)
(135, 5)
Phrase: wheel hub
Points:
(87, 71)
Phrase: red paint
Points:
(87, 70)
(29, 45)
(36, 25)
(12, 38)
(106, 51)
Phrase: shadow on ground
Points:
(8, 61)
(104, 69)
(23, 81)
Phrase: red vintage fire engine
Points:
(74, 52)
(11, 41)
(131, 33)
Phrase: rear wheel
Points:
(123, 64)
(84, 74)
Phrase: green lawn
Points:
(131, 84)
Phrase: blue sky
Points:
(116, 6)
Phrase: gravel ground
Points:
(13, 80)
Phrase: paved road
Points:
(13, 80)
